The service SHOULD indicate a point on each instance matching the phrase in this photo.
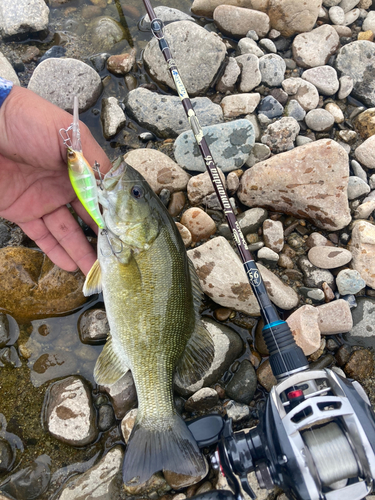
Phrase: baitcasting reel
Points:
(315, 440)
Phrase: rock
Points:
(158, 169)
(239, 104)
(281, 295)
(357, 187)
(352, 60)
(7, 71)
(362, 247)
(324, 78)
(127, 424)
(167, 15)
(249, 221)
(228, 346)
(273, 234)
(200, 188)
(360, 365)
(272, 68)
(305, 93)
(346, 86)
(334, 317)
(363, 330)
(291, 17)
(100, 482)
(5, 336)
(268, 45)
(315, 48)
(199, 223)
(237, 21)
(104, 32)
(233, 182)
(280, 136)
(313, 276)
(327, 257)
(365, 152)
(120, 64)
(250, 74)
(205, 50)
(69, 414)
(349, 281)
(230, 144)
(212, 261)
(336, 112)
(268, 256)
(206, 8)
(314, 294)
(33, 287)
(348, 5)
(185, 234)
(351, 17)
(317, 239)
(365, 123)
(319, 120)
(270, 107)
(204, 399)
(58, 80)
(243, 384)
(267, 180)
(112, 117)
(170, 120)
(364, 210)
(231, 73)
(304, 326)
(237, 411)
(93, 327)
(259, 153)
(249, 46)
(265, 376)
(122, 394)
(369, 22)
(25, 16)
(30, 482)
(296, 111)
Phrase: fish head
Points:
(129, 207)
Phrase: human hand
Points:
(34, 181)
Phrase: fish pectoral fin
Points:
(109, 367)
(197, 357)
(93, 281)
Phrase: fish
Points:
(152, 298)
(81, 174)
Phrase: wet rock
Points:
(365, 152)
(106, 418)
(199, 223)
(32, 286)
(335, 317)
(243, 384)
(104, 32)
(304, 92)
(319, 120)
(127, 424)
(122, 394)
(315, 48)
(272, 68)
(237, 411)
(363, 250)
(227, 347)
(309, 190)
(349, 281)
(281, 295)
(25, 16)
(329, 257)
(293, 17)
(304, 326)
(9, 357)
(93, 327)
(121, 64)
(101, 482)
(237, 21)
(360, 365)
(313, 276)
(69, 413)
(57, 80)
(280, 136)
(158, 170)
(205, 49)
(343, 354)
(204, 399)
(170, 120)
(6, 455)
(167, 15)
(265, 376)
(239, 104)
(212, 261)
(273, 235)
(352, 60)
(7, 71)
(112, 117)
(230, 144)
(31, 482)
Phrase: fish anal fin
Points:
(93, 281)
(109, 366)
(197, 357)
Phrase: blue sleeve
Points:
(5, 88)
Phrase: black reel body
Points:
(315, 440)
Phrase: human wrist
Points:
(5, 88)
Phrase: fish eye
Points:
(137, 192)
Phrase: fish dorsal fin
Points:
(93, 281)
(109, 368)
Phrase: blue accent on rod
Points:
(275, 323)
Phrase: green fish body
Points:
(152, 297)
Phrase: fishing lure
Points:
(81, 174)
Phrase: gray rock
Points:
(237, 411)
(259, 153)
(7, 71)
(250, 74)
(69, 413)
(23, 16)
(112, 117)
(242, 386)
(353, 60)
(270, 107)
(357, 187)
(30, 482)
(304, 92)
(272, 68)
(122, 394)
(227, 347)
(349, 281)
(230, 76)
(295, 110)
(268, 45)
(324, 78)
(362, 246)
(365, 152)
(204, 399)
(5, 336)
(170, 119)
(363, 331)
(346, 86)
(167, 15)
(93, 326)
(319, 120)
(204, 49)
(58, 80)
(106, 418)
(348, 5)
(230, 144)
(104, 32)
(101, 482)
(313, 276)
(280, 136)
(249, 221)
(359, 172)
(249, 46)
(6, 456)
(237, 21)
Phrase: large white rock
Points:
(22, 16)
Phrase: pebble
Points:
(326, 257)
(335, 111)
(237, 21)
(167, 15)
(369, 22)
(230, 76)
(112, 117)
(93, 327)
(233, 182)
(265, 376)
(293, 17)
(324, 78)
(273, 235)
(158, 169)
(250, 73)
(337, 15)
(351, 16)
(360, 365)
(319, 120)
(121, 64)
(122, 394)
(304, 326)
(296, 111)
(25, 16)
(272, 68)
(357, 187)
(335, 317)
(304, 92)
(362, 249)
(259, 153)
(230, 142)
(346, 86)
(349, 281)
(104, 32)
(365, 123)
(30, 482)
(249, 46)
(170, 120)
(270, 107)
(280, 136)
(106, 418)
(315, 277)
(237, 411)
(315, 47)
(204, 399)
(69, 413)
(281, 295)
(365, 152)
(200, 187)
(239, 104)
(199, 223)
(5, 336)
(317, 239)
(268, 256)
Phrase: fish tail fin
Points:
(165, 445)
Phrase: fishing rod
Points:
(316, 435)
(286, 357)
